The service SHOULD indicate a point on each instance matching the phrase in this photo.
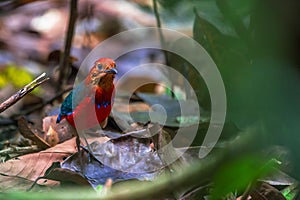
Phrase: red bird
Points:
(90, 103)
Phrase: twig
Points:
(65, 57)
(19, 150)
(21, 93)
(44, 103)
(158, 22)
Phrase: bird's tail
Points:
(58, 118)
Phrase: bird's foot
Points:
(87, 149)
(90, 154)
(78, 146)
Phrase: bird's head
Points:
(102, 73)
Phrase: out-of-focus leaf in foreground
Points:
(236, 175)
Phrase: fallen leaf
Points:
(52, 137)
(20, 173)
(291, 192)
(66, 176)
(27, 132)
(127, 156)
(266, 191)
(118, 167)
(57, 133)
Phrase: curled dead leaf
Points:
(19, 174)
(52, 137)
(57, 133)
(27, 132)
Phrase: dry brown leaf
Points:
(264, 191)
(57, 133)
(52, 137)
(67, 176)
(27, 132)
(20, 173)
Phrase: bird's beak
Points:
(111, 71)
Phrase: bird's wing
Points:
(72, 100)
(66, 106)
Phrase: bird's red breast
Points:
(91, 112)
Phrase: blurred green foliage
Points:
(248, 42)
(15, 75)
(261, 83)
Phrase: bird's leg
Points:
(78, 146)
(88, 147)
(77, 140)
(78, 143)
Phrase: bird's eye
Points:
(99, 66)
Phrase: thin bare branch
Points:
(64, 67)
(19, 150)
(22, 92)
(158, 22)
(42, 104)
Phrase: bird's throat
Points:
(104, 94)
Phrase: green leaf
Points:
(224, 49)
(208, 36)
(237, 12)
(209, 11)
(290, 192)
(186, 120)
(99, 188)
(236, 8)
